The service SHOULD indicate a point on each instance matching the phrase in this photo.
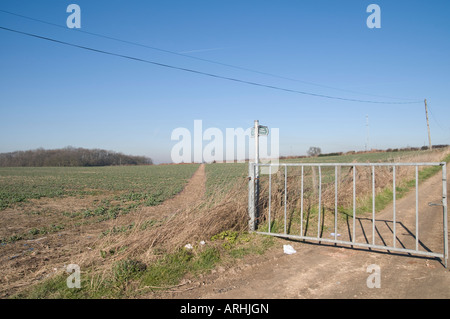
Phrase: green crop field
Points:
(147, 185)
(144, 184)
(220, 177)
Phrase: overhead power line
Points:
(435, 120)
(200, 72)
(200, 59)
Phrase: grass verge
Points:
(129, 278)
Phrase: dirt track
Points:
(325, 271)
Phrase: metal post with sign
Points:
(253, 168)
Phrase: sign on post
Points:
(262, 131)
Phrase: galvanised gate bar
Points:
(256, 199)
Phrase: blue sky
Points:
(54, 96)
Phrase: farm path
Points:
(28, 261)
(192, 194)
(326, 271)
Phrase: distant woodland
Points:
(70, 156)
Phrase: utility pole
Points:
(367, 132)
(430, 146)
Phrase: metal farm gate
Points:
(338, 203)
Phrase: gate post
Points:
(251, 197)
(253, 183)
(256, 174)
(445, 212)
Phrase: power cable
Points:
(197, 58)
(435, 120)
(201, 72)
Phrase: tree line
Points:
(70, 156)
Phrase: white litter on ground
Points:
(289, 250)
(188, 246)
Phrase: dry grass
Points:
(192, 225)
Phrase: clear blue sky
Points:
(53, 95)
